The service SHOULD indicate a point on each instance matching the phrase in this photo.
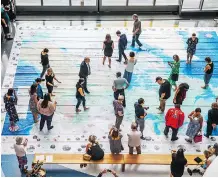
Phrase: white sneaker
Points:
(160, 112)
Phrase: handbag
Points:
(198, 138)
(87, 157)
(174, 77)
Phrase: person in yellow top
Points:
(80, 96)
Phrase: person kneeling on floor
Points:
(93, 151)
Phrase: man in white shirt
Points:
(134, 139)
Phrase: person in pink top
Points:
(46, 108)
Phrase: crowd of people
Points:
(43, 104)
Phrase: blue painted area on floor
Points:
(9, 163)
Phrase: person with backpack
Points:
(180, 93)
(122, 43)
(94, 150)
(174, 120)
(140, 115)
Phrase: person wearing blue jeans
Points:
(130, 66)
(208, 72)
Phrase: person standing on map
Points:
(85, 71)
(164, 93)
(208, 72)
(140, 115)
(122, 43)
(174, 75)
(192, 43)
(119, 85)
(136, 31)
(10, 100)
(118, 111)
(174, 120)
(44, 61)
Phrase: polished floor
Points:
(69, 42)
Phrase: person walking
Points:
(136, 31)
(174, 75)
(108, 46)
(212, 121)
(195, 124)
(122, 44)
(115, 141)
(80, 96)
(5, 22)
(174, 120)
(39, 88)
(46, 108)
(180, 93)
(49, 77)
(140, 115)
(33, 102)
(129, 67)
(134, 140)
(208, 72)
(44, 61)
(164, 93)
(85, 71)
(178, 163)
(192, 43)
(119, 86)
(10, 100)
(118, 111)
(20, 150)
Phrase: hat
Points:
(120, 97)
(158, 78)
(38, 80)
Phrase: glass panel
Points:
(89, 2)
(56, 2)
(28, 2)
(83, 2)
(140, 2)
(167, 2)
(191, 4)
(113, 2)
(210, 4)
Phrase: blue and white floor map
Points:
(67, 48)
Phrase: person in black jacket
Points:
(122, 43)
(178, 163)
(212, 121)
(85, 71)
(44, 61)
(140, 115)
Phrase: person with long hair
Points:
(33, 102)
(46, 108)
(115, 141)
(49, 77)
(10, 100)
(208, 72)
(180, 93)
(174, 75)
(80, 96)
(44, 61)
(192, 43)
(195, 124)
(178, 163)
(129, 67)
(108, 46)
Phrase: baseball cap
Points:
(158, 78)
